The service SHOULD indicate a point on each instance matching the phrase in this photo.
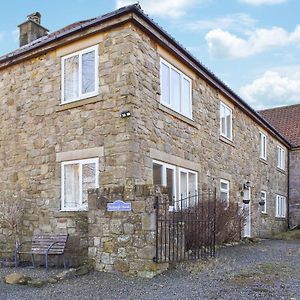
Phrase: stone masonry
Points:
(35, 129)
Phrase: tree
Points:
(11, 214)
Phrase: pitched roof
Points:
(286, 120)
(159, 34)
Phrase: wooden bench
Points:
(44, 245)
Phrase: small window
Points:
(77, 177)
(224, 191)
(176, 89)
(79, 75)
(280, 158)
(280, 206)
(225, 121)
(263, 199)
(262, 146)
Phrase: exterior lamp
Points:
(125, 114)
(246, 192)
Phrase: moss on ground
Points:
(291, 235)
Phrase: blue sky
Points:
(252, 45)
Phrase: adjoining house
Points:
(287, 121)
(116, 105)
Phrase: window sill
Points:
(74, 210)
(264, 161)
(226, 140)
(280, 218)
(177, 115)
(281, 171)
(264, 214)
(77, 103)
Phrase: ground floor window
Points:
(263, 199)
(224, 191)
(76, 178)
(280, 206)
(182, 183)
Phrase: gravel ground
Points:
(265, 270)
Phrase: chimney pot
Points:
(35, 17)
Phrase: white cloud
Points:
(273, 88)
(262, 2)
(162, 8)
(224, 44)
(238, 21)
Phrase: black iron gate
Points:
(185, 228)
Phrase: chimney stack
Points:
(31, 29)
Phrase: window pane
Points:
(186, 98)
(157, 174)
(71, 78)
(170, 185)
(192, 184)
(228, 123)
(71, 186)
(224, 186)
(224, 197)
(183, 185)
(88, 180)
(88, 72)
(175, 90)
(165, 83)
(222, 118)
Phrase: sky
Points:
(253, 46)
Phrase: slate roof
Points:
(135, 8)
(286, 120)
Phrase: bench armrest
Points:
(49, 248)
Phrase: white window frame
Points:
(187, 171)
(263, 196)
(280, 158)
(80, 94)
(176, 179)
(227, 191)
(223, 133)
(182, 76)
(80, 163)
(262, 146)
(280, 206)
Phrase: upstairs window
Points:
(225, 121)
(77, 177)
(280, 206)
(280, 158)
(262, 146)
(176, 89)
(80, 75)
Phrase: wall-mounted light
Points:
(125, 114)
(247, 185)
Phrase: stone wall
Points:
(35, 127)
(177, 139)
(124, 241)
(294, 188)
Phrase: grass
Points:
(292, 235)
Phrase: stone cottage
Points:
(286, 120)
(115, 105)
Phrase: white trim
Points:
(249, 219)
(280, 158)
(80, 94)
(264, 197)
(182, 76)
(262, 146)
(227, 191)
(80, 163)
(222, 104)
(280, 207)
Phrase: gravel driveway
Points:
(266, 270)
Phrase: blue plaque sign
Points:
(119, 205)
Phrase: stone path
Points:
(265, 270)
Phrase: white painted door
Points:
(247, 216)
(247, 213)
